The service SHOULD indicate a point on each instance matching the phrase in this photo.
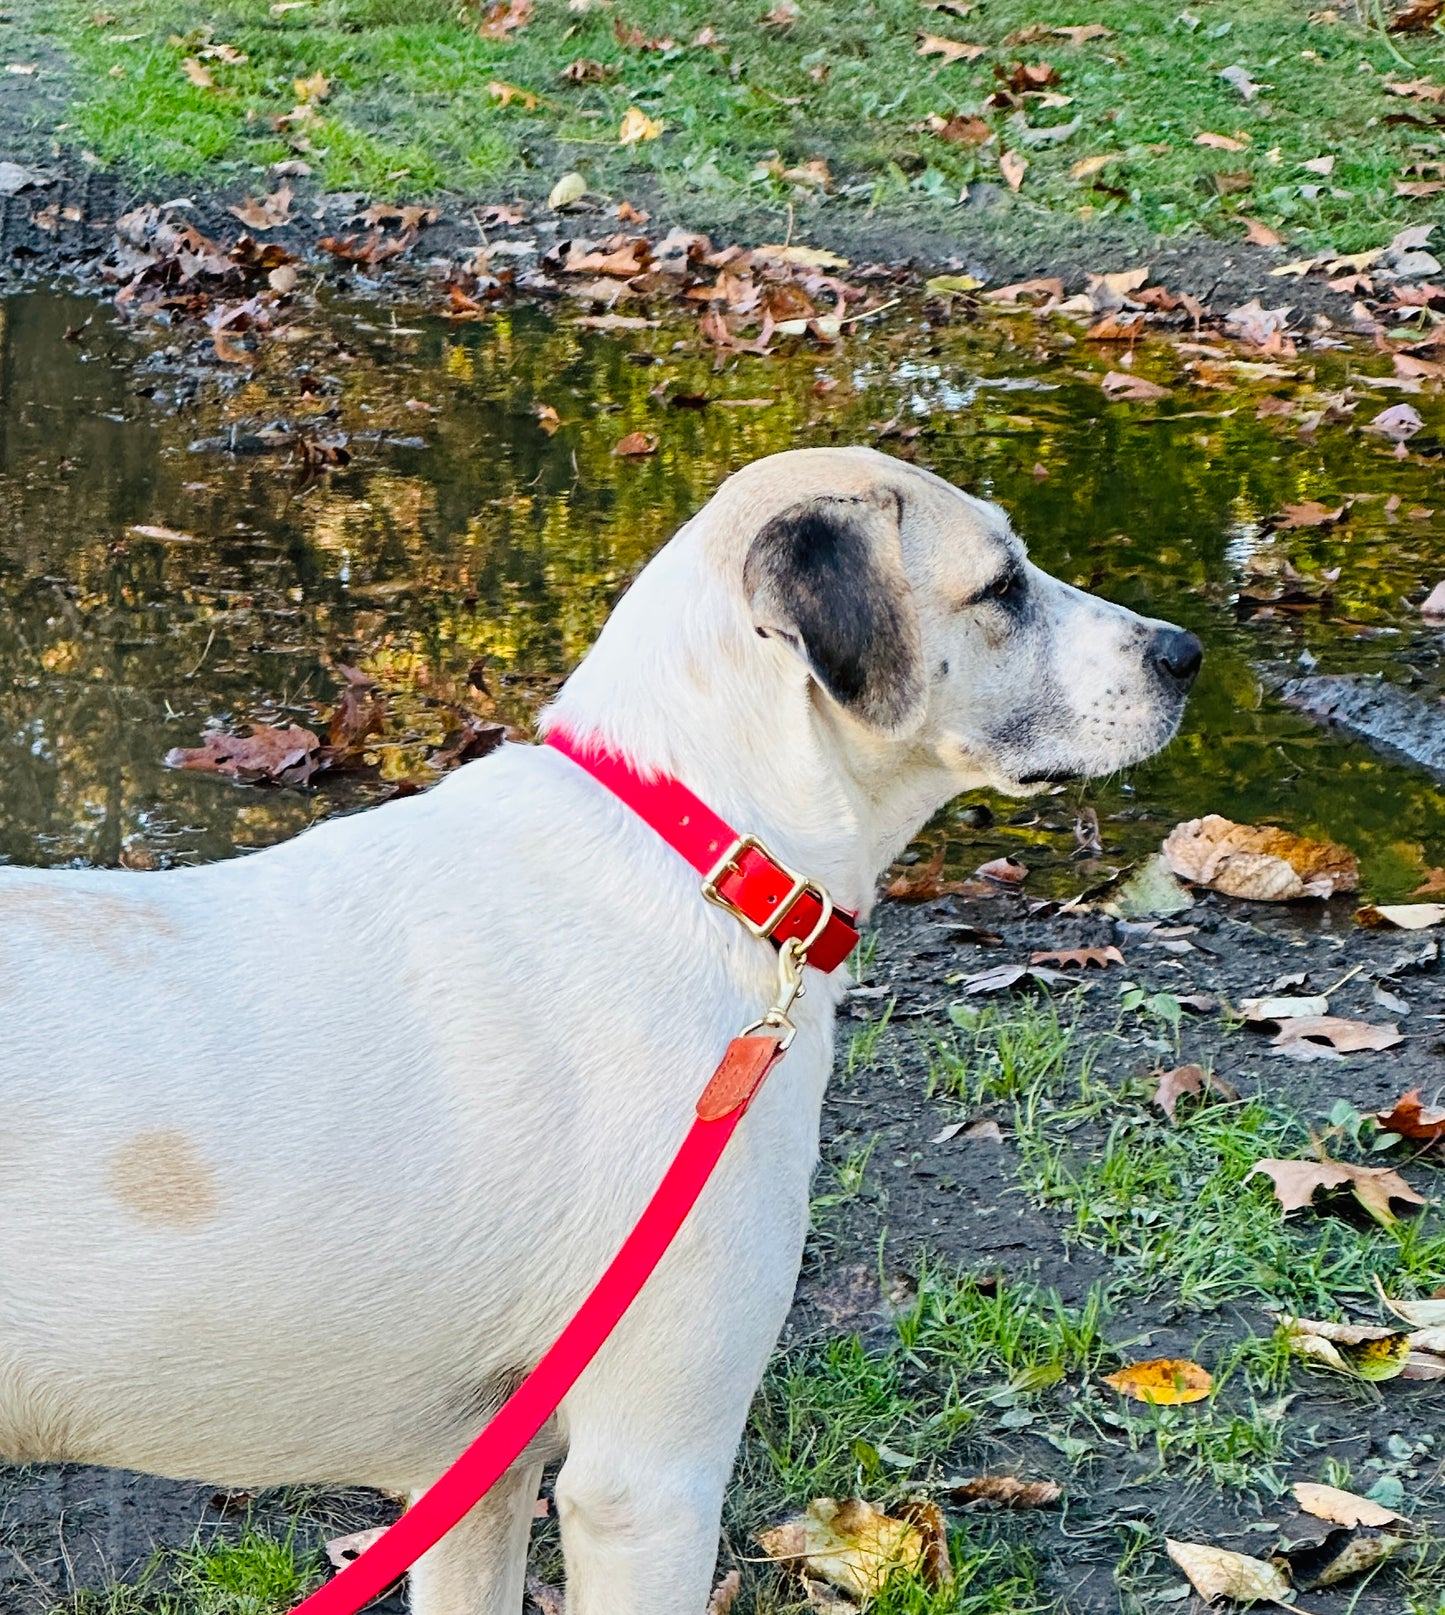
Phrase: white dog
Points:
(306, 1157)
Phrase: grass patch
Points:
(410, 109)
(256, 1575)
(1174, 1205)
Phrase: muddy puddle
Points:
(440, 505)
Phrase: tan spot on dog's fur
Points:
(164, 1181)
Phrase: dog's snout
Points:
(1177, 655)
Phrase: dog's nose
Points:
(1177, 654)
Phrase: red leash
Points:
(740, 875)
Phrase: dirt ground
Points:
(965, 1203)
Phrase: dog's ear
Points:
(827, 577)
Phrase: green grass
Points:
(256, 1575)
(410, 111)
(1173, 1204)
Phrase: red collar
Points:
(739, 873)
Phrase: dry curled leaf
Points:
(1132, 389)
(1219, 142)
(283, 756)
(725, 1594)
(1402, 916)
(850, 1544)
(637, 127)
(1187, 1081)
(1412, 1119)
(951, 50)
(1078, 958)
(1005, 1491)
(635, 445)
(1309, 1037)
(1007, 871)
(344, 1550)
(1165, 1381)
(1258, 232)
(267, 213)
(1342, 1508)
(1219, 1573)
(1357, 1349)
(1013, 168)
(1262, 863)
(1296, 1183)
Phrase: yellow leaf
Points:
(569, 189)
(637, 127)
(1092, 165)
(504, 94)
(1165, 1381)
(313, 89)
(1218, 1573)
(850, 1544)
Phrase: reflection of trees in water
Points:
(499, 540)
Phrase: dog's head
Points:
(919, 618)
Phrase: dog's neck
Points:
(679, 682)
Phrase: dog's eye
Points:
(1007, 587)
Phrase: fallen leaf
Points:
(1187, 1080)
(850, 1544)
(637, 127)
(1308, 1037)
(1080, 958)
(960, 130)
(1402, 916)
(951, 50)
(1260, 233)
(725, 1594)
(952, 285)
(163, 535)
(1261, 863)
(1261, 1010)
(503, 17)
(504, 94)
(1342, 1508)
(1220, 1573)
(267, 213)
(571, 188)
(1237, 78)
(547, 418)
(1400, 422)
(1082, 34)
(1152, 889)
(1251, 322)
(283, 756)
(585, 71)
(1309, 514)
(1412, 1119)
(1296, 1183)
(1119, 384)
(1093, 165)
(314, 89)
(345, 1550)
(1007, 871)
(198, 73)
(1005, 1491)
(1165, 1381)
(1220, 142)
(1013, 168)
(636, 444)
(1361, 1350)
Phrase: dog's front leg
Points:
(480, 1567)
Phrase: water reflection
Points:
(463, 530)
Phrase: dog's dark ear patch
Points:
(828, 575)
